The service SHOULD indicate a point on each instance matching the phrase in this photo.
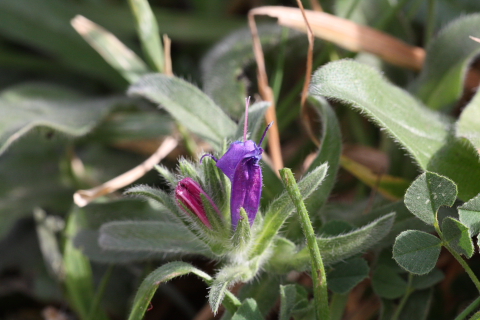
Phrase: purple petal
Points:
(236, 153)
(246, 189)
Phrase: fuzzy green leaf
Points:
(264, 290)
(293, 298)
(449, 55)
(389, 106)
(416, 251)
(153, 280)
(119, 56)
(469, 214)
(457, 236)
(248, 311)
(150, 236)
(27, 106)
(387, 283)
(188, 105)
(427, 193)
(333, 249)
(345, 275)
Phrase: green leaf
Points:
(248, 311)
(345, 275)
(469, 214)
(223, 67)
(333, 249)
(387, 283)
(329, 152)
(281, 208)
(468, 124)
(457, 236)
(153, 280)
(150, 236)
(188, 105)
(459, 161)
(387, 105)
(264, 290)
(418, 306)
(159, 196)
(119, 56)
(427, 280)
(226, 277)
(293, 298)
(416, 251)
(48, 106)
(78, 273)
(147, 30)
(449, 55)
(427, 193)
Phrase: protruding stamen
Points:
(208, 155)
(264, 133)
(245, 126)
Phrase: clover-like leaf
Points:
(457, 236)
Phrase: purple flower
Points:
(188, 194)
(241, 165)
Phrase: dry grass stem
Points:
(84, 197)
(475, 39)
(267, 95)
(308, 72)
(167, 43)
(348, 34)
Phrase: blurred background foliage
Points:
(67, 124)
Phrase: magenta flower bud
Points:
(188, 194)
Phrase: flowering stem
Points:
(320, 293)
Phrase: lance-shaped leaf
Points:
(156, 278)
(427, 193)
(333, 249)
(387, 105)
(448, 58)
(162, 237)
(188, 105)
(28, 106)
(147, 30)
(226, 277)
(469, 214)
(121, 58)
(457, 236)
(416, 251)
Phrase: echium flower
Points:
(188, 194)
(241, 165)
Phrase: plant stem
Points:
(459, 258)
(430, 22)
(320, 293)
(471, 307)
(405, 297)
(93, 314)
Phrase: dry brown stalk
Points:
(348, 34)
(84, 197)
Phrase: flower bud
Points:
(188, 194)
